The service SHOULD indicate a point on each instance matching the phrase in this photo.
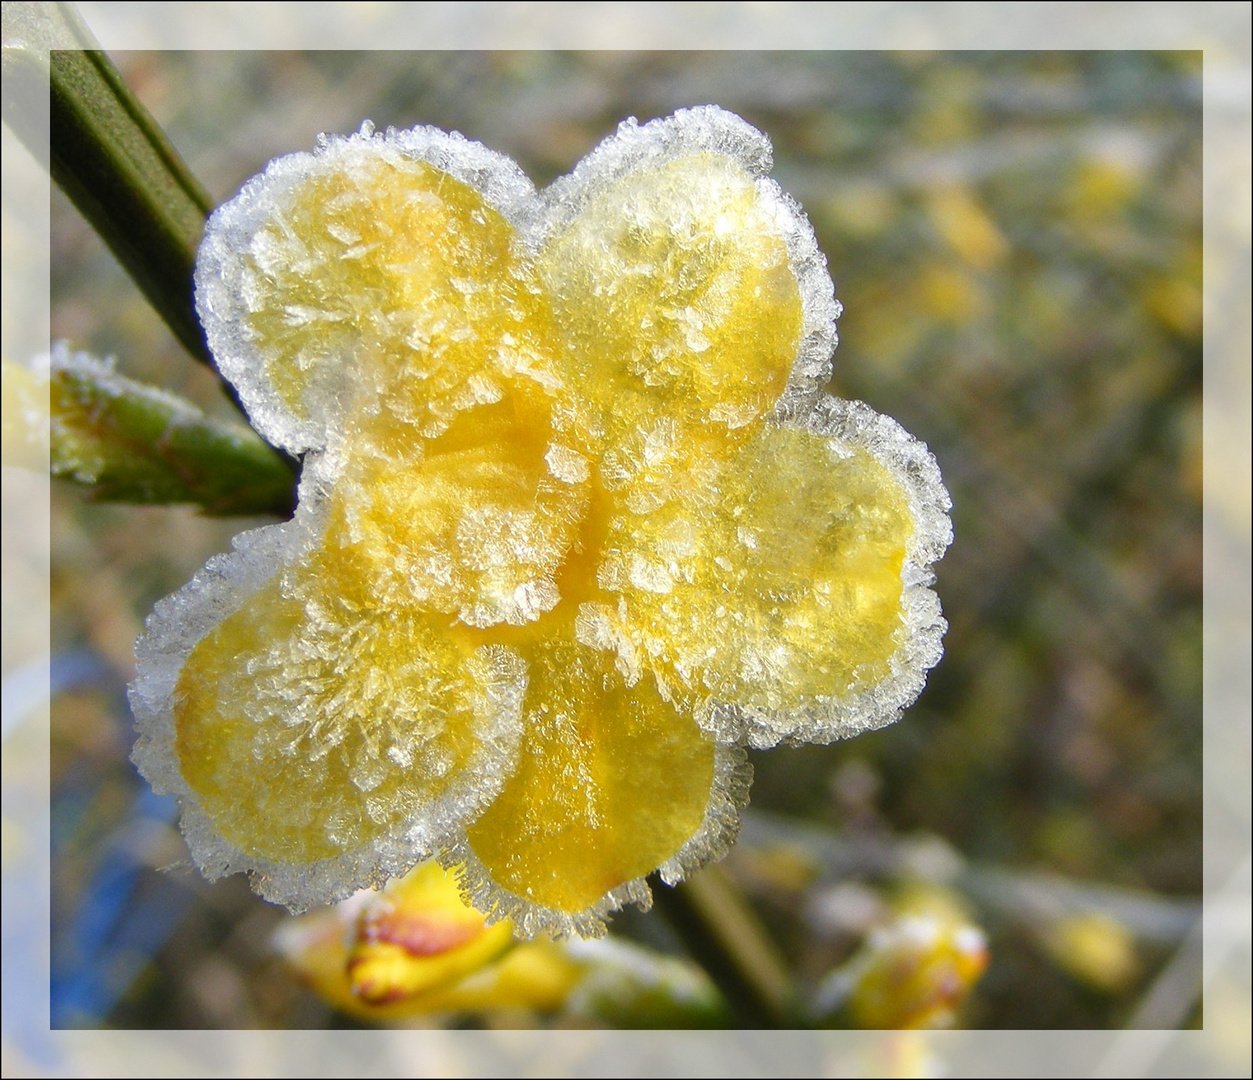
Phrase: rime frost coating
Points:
(576, 524)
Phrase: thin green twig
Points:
(113, 161)
(724, 936)
(109, 155)
(127, 442)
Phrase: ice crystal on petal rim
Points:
(576, 523)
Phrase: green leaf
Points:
(127, 442)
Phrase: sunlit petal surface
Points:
(611, 782)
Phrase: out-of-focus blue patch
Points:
(119, 922)
(110, 912)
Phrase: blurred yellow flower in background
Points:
(417, 949)
(1094, 947)
(915, 970)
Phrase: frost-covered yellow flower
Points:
(576, 523)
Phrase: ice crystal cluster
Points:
(577, 523)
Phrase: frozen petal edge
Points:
(720, 825)
(176, 626)
(231, 228)
(708, 129)
(824, 719)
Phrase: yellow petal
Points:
(362, 278)
(790, 585)
(379, 308)
(1094, 947)
(475, 522)
(313, 729)
(676, 296)
(611, 783)
(535, 975)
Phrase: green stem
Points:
(724, 936)
(67, 102)
(127, 442)
(116, 165)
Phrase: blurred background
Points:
(1016, 239)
